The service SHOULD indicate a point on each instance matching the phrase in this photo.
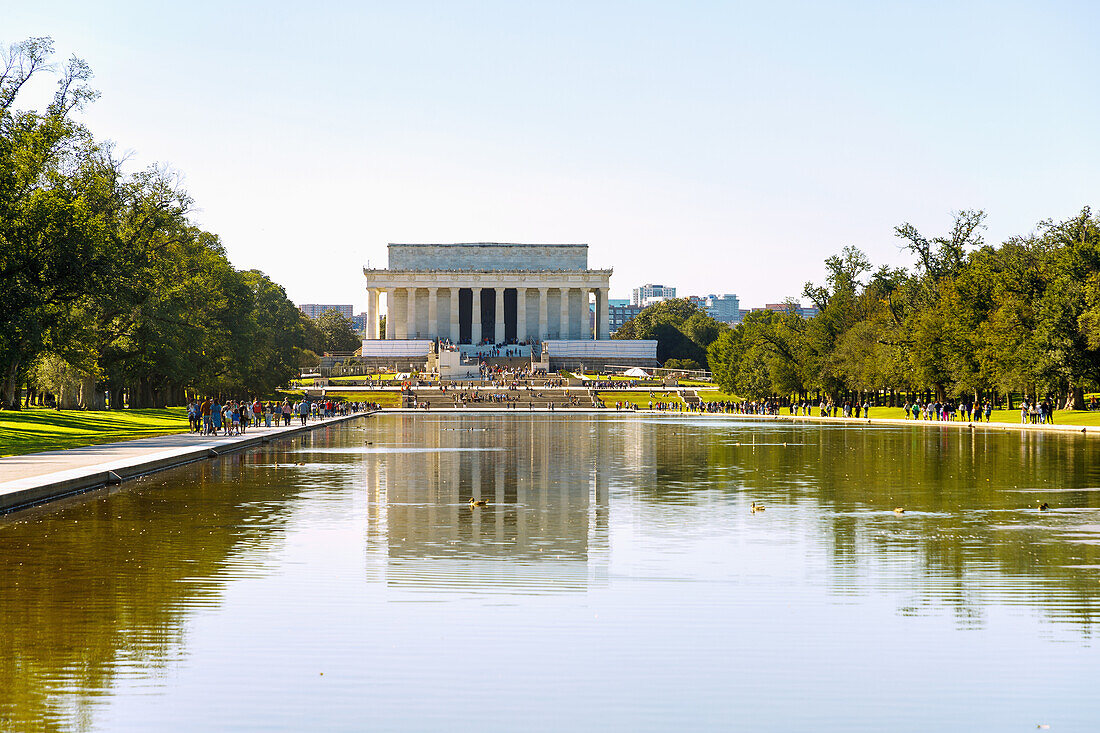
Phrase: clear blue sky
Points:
(718, 147)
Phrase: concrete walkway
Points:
(38, 477)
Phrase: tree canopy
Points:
(682, 329)
(337, 332)
(968, 319)
(107, 284)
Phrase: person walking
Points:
(204, 414)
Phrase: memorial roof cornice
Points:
(487, 244)
(506, 273)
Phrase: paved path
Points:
(38, 477)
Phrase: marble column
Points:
(498, 315)
(372, 314)
(475, 316)
(521, 314)
(585, 315)
(563, 324)
(455, 333)
(544, 314)
(391, 313)
(603, 317)
(433, 313)
(410, 314)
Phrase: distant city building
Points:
(652, 293)
(622, 311)
(619, 311)
(801, 310)
(314, 310)
(359, 320)
(725, 308)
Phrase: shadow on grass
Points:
(35, 430)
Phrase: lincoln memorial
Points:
(445, 302)
(488, 293)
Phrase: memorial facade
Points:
(488, 293)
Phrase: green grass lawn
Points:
(34, 430)
(641, 399)
(362, 378)
(1061, 417)
(385, 398)
(714, 395)
(635, 382)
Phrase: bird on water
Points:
(754, 507)
(1043, 506)
(477, 502)
(899, 510)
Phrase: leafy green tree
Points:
(103, 271)
(338, 332)
(52, 242)
(761, 356)
(685, 364)
(682, 329)
(57, 377)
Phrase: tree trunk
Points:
(9, 388)
(137, 395)
(69, 399)
(1075, 398)
(86, 398)
(92, 396)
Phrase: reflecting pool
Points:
(616, 579)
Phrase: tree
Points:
(761, 356)
(338, 332)
(52, 241)
(682, 329)
(58, 378)
(103, 272)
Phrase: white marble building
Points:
(488, 293)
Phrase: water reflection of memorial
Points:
(545, 523)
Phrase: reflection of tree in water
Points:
(968, 495)
(104, 581)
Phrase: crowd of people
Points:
(609, 384)
(1036, 413)
(234, 417)
(728, 407)
(948, 411)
